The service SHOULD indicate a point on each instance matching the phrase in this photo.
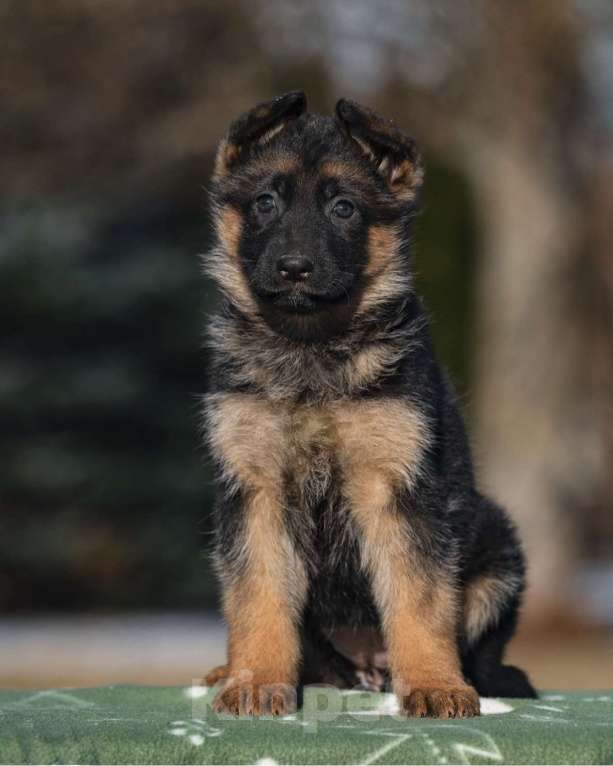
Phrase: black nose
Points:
(295, 268)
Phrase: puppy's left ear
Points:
(394, 155)
(256, 127)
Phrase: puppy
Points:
(346, 496)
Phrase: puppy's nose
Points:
(295, 268)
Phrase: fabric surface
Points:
(128, 724)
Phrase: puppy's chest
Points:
(312, 444)
(276, 446)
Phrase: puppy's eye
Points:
(343, 208)
(265, 203)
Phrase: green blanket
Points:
(173, 725)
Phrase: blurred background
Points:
(109, 115)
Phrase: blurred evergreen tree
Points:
(104, 491)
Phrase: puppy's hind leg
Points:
(492, 597)
(483, 662)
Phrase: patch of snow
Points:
(491, 706)
(196, 691)
(389, 706)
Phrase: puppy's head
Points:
(312, 215)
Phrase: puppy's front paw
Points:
(422, 702)
(256, 699)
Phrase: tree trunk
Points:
(537, 431)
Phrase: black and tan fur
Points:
(346, 492)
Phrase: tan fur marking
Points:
(382, 248)
(222, 263)
(394, 282)
(270, 134)
(418, 617)
(262, 608)
(273, 162)
(310, 446)
(405, 179)
(381, 445)
(368, 365)
(229, 227)
(232, 282)
(227, 153)
(420, 628)
(483, 598)
(365, 148)
(385, 437)
(345, 171)
(247, 435)
(388, 276)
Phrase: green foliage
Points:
(444, 251)
(103, 368)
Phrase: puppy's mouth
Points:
(301, 300)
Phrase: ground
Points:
(135, 724)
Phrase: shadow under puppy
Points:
(346, 495)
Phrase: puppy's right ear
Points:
(257, 127)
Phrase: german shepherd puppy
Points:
(346, 491)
